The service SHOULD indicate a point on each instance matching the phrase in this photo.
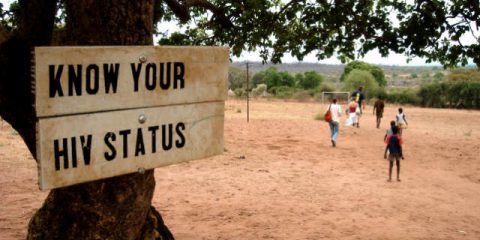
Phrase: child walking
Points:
(389, 131)
(394, 148)
(401, 121)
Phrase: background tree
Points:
(119, 208)
(310, 80)
(361, 78)
(258, 78)
(435, 30)
(237, 78)
(286, 79)
(299, 77)
(376, 71)
(272, 78)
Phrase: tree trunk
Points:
(114, 208)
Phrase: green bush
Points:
(381, 93)
(326, 87)
(310, 80)
(433, 95)
(405, 96)
(360, 78)
(259, 90)
(376, 72)
(282, 91)
(464, 94)
(240, 92)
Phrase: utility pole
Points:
(248, 98)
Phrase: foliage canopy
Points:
(310, 80)
(376, 72)
(361, 78)
(435, 30)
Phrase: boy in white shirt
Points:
(401, 121)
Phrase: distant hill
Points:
(292, 68)
(397, 76)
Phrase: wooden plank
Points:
(72, 80)
(114, 143)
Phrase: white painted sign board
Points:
(92, 125)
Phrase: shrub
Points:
(465, 94)
(362, 78)
(376, 72)
(433, 95)
(259, 90)
(405, 96)
(282, 91)
(381, 93)
(310, 80)
(326, 87)
(240, 92)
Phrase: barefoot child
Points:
(394, 147)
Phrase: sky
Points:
(372, 57)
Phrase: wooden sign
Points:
(87, 147)
(108, 111)
(72, 80)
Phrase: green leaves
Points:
(361, 78)
(376, 72)
(438, 30)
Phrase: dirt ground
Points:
(279, 178)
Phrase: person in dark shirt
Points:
(394, 148)
(360, 99)
(378, 110)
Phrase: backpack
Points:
(328, 115)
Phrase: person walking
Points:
(378, 108)
(335, 111)
(352, 113)
(395, 153)
(360, 99)
(389, 130)
(401, 121)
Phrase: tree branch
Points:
(182, 11)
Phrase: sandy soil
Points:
(279, 178)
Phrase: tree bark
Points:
(114, 208)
